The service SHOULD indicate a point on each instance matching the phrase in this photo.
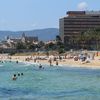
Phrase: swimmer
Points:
(22, 74)
(40, 66)
(18, 74)
(14, 77)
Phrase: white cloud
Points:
(82, 6)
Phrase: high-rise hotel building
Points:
(76, 22)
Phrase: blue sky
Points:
(36, 14)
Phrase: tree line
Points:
(56, 45)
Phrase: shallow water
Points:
(50, 83)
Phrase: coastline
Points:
(94, 64)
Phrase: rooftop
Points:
(82, 13)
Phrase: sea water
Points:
(50, 83)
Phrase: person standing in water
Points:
(50, 61)
(17, 61)
(56, 62)
(14, 77)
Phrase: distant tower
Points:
(23, 37)
(8, 40)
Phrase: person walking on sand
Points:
(50, 61)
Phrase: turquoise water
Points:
(50, 83)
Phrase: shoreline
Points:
(94, 64)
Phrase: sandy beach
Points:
(64, 62)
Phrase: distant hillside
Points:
(43, 34)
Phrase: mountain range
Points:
(43, 34)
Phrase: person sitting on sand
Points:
(88, 59)
(75, 58)
(14, 77)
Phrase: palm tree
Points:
(92, 37)
(97, 38)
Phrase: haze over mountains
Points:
(43, 34)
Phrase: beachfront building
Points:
(77, 22)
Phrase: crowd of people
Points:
(69, 58)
